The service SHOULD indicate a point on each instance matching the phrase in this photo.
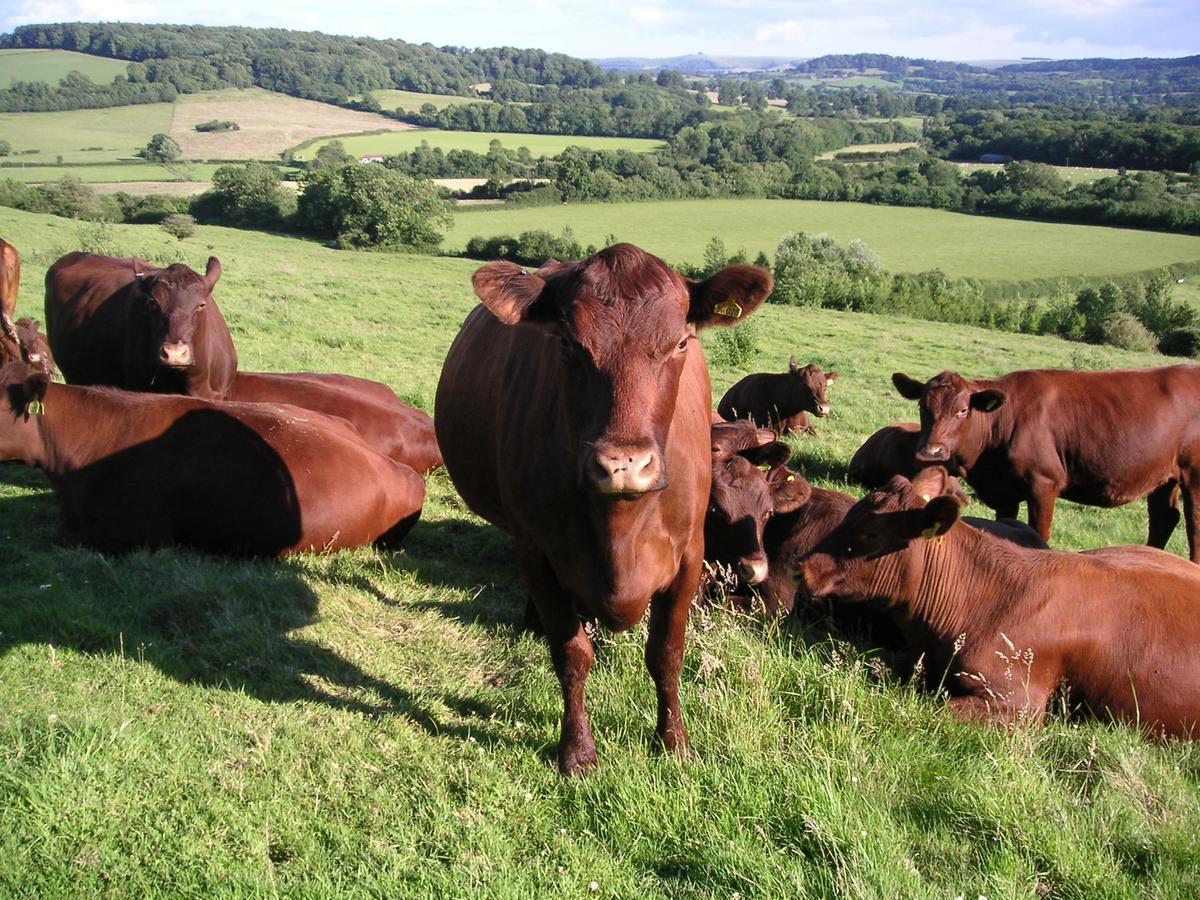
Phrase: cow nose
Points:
(176, 355)
(933, 453)
(752, 570)
(822, 409)
(625, 470)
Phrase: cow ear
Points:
(141, 271)
(26, 390)
(509, 292)
(728, 296)
(930, 482)
(770, 455)
(831, 376)
(909, 388)
(792, 367)
(988, 400)
(212, 274)
(789, 491)
(939, 516)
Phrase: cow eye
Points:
(201, 307)
(682, 345)
(962, 413)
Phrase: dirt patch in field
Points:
(268, 123)
(170, 188)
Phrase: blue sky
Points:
(951, 29)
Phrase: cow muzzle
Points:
(823, 409)
(752, 570)
(177, 355)
(933, 453)
(624, 471)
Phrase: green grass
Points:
(102, 174)
(372, 724)
(412, 101)
(907, 239)
(51, 66)
(118, 132)
(538, 144)
(1073, 174)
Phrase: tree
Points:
(179, 225)
(249, 196)
(365, 206)
(5, 148)
(162, 148)
(330, 156)
(727, 93)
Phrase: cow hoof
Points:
(675, 742)
(579, 760)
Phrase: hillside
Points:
(373, 724)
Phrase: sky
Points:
(949, 29)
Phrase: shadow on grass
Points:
(203, 620)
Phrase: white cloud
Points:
(647, 15)
(787, 30)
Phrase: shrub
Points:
(371, 206)
(734, 347)
(5, 148)
(1181, 342)
(161, 148)
(217, 125)
(1125, 331)
(179, 225)
(249, 196)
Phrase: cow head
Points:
(23, 402)
(949, 406)
(174, 300)
(30, 346)
(625, 324)
(806, 388)
(741, 434)
(887, 522)
(748, 487)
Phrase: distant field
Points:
(1073, 174)
(412, 101)
(913, 122)
(182, 172)
(869, 148)
(51, 66)
(538, 144)
(907, 239)
(118, 132)
(269, 123)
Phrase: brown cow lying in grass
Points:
(781, 402)
(393, 428)
(891, 450)
(147, 470)
(1118, 626)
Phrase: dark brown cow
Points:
(393, 428)
(142, 470)
(1007, 625)
(892, 450)
(749, 486)
(573, 412)
(780, 401)
(1099, 438)
(127, 324)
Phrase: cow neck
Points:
(944, 583)
(79, 425)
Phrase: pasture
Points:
(907, 239)
(130, 173)
(51, 66)
(412, 101)
(83, 135)
(372, 724)
(477, 141)
(870, 148)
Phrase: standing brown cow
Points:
(127, 324)
(1118, 626)
(143, 470)
(393, 428)
(10, 283)
(1098, 438)
(573, 412)
(780, 401)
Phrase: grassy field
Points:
(373, 724)
(131, 173)
(538, 144)
(117, 132)
(870, 148)
(908, 240)
(1073, 174)
(51, 66)
(412, 101)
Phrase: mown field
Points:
(907, 239)
(371, 724)
(538, 144)
(115, 173)
(51, 66)
(83, 135)
(412, 101)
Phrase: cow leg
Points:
(1163, 508)
(1008, 511)
(1041, 506)
(571, 650)
(664, 652)
(1191, 512)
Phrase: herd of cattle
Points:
(574, 411)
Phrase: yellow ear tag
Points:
(764, 467)
(729, 309)
(35, 408)
(925, 497)
(791, 478)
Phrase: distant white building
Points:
(370, 159)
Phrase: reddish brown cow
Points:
(393, 428)
(573, 412)
(1008, 624)
(780, 401)
(1099, 438)
(140, 470)
(892, 450)
(10, 283)
(127, 324)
